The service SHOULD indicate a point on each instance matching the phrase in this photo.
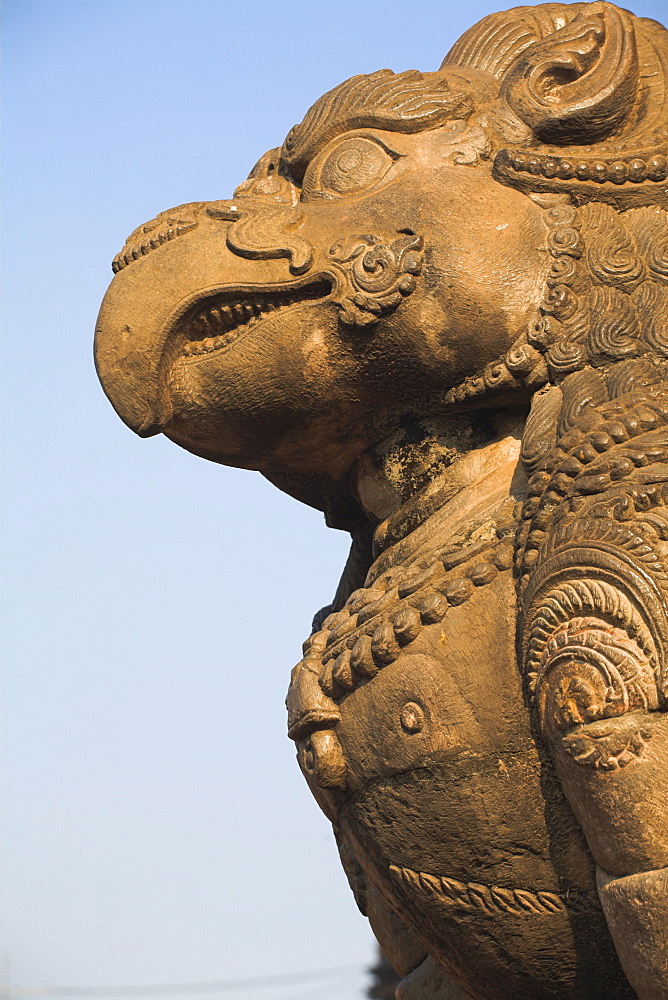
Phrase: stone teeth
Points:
(221, 324)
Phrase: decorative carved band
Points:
(491, 900)
(650, 166)
(165, 227)
(631, 177)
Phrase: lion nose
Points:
(270, 231)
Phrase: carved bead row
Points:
(365, 654)
(618, 171)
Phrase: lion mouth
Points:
(221, 321)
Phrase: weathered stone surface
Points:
(429, 980)
(636, 910)
(440, 314)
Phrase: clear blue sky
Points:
(157, 829)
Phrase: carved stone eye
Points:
(412, 717)
(353, 165)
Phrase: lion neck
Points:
(445, 466)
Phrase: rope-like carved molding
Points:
(490, 900)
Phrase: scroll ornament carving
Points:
(373, 277)
(271, 232)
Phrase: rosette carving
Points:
(589, 671)
(372, 277)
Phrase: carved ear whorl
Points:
(578, 84)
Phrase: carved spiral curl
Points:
(372, 277)
(652, 303)
(376, 270)
(614, 327)
(613, 260)
(579, 80)
(606, 297)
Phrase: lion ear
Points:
(578, 84)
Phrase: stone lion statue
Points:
(439, 314)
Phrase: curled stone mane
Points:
(605, 299)
(603, 134)
(607, 292)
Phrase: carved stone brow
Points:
(397, 102)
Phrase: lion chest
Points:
(448, 804)
(443, 776)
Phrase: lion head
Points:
(421, 242)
